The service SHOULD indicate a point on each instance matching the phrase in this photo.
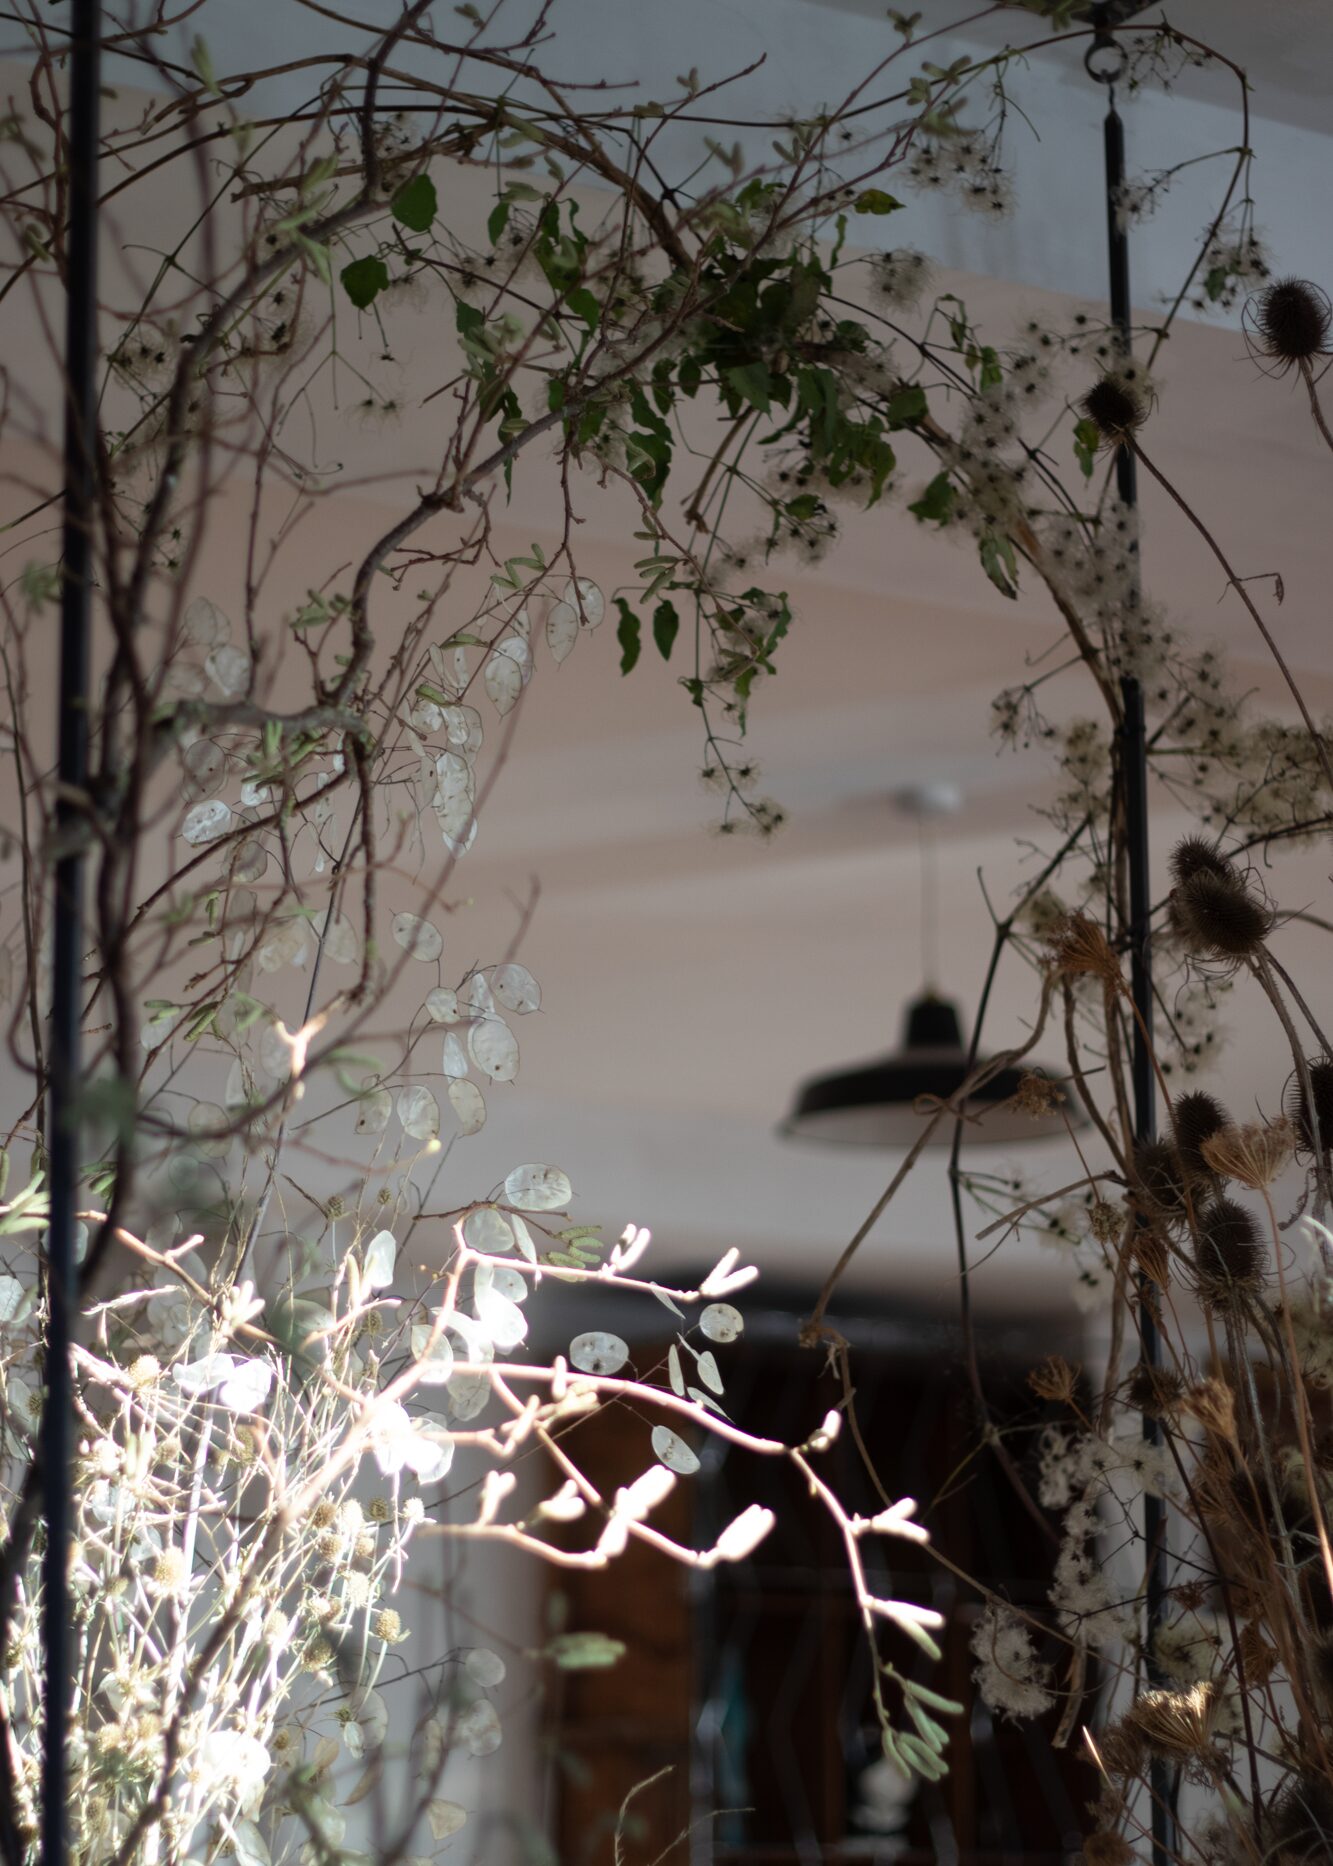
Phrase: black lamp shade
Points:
(875, 1105)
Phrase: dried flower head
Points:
(1253, 1155)
(1157, 1172)
(1079, 946)
(1195, 1118)
(1194, 855)
(1152, 1255)
(1217, 917)
(1117, 405)
(1055, 1379)
(1298, 1105)
(1178, 1726)
(1213, 1404)
(1037, 1096)
(1106, 1848)
(1155, 1391)
(1228, 1253)
(1300, 1824)
(387, 1625)
(1119, 1750)
(1288, 324)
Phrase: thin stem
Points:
(1239, 587)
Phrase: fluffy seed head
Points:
(1229, 1254)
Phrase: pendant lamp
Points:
(882, 1103)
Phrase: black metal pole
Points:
(1134, 802)
(56, 1437)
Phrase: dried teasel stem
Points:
(1323, 1178)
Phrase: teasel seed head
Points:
(1229, 1252)
(1299, 1827)
(1117, 407)
(1195, 1118)
(1195, 855)
(1218, 917)
(1297, 1105)
(1158, 1174)
(1288, 323)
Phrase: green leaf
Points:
(931, 1732)
(498, 220)
(415, 203)
(1087, 436)
(924, 1695)
(907, 405)
(666, 623)
(583, 304)
(585, 1652)
(752, 383)
(627, 634)
(202, 60)
(922, 1757)
(999, 563)
(364, 280)
(875, 201)
(936, 502)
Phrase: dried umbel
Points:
(1298, 1105)
(1176, 1725)
(1228, 1253)
(1195, 1118)
(1253, 1155)
(1213, 1404)
(1288, 324)
(1079, 946)
(1055, 1379)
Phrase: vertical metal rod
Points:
(56, 1435)
(1134, 779)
